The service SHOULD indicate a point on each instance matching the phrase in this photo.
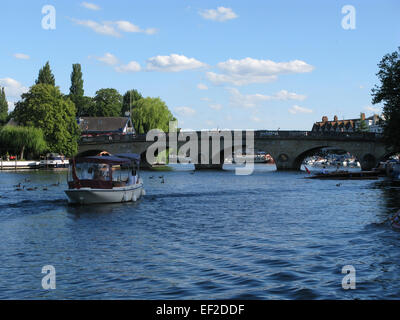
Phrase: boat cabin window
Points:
(93, 171)
(127, 175)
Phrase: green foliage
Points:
(151, 113)
(45, 107)
(76, 92)
(363, 126)
(389, 93)
(107, 103)
(3, 107)
(129, 101)
(46, 76)
(17, 140)
(84, 106)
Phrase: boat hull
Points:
(115, 195)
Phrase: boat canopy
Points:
(112, 160)
(131, 156)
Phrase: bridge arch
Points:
(369, 159)
(91, 152)
(307, 153)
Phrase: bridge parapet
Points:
(258, 134)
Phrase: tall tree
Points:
(107, 103)
(46, 76)
(76, 88)
(3, 107)
(129, 101)
(76, 91)
(46, 108)
(389, 93)
(151, 113)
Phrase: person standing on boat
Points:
(132, 177)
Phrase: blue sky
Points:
(217, 64)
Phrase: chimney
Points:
(324, 119)
(335, 118)
(362, 116)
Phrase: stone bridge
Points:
(288, 148)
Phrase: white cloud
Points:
(12, 88)
(151, 31)
(126, 26)
(297, 109)
(185, 111)
(220, 14)
(132, 66)
(255, 119)
(285, 95)
(108, 58)
(263, 67)
(22, 56)
(206, 99)
(202, 86)
(109, 28)
(249, 70)
(216, 106)
(105, 28)
(173, 63)
(252, 100)
(90, 6)
(237, 80)
(372, 109)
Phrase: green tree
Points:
(129, 101)
(363, 126)
(17, 140)
(389, 93)
(76, 92)
(85, 106)
(151, 113)
(46, 108)
(107, 103)
(3, 107)
(46, 76)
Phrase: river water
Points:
(202, 235)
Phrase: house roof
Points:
(103, 124)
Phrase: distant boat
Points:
(54, 160)
(105, 179)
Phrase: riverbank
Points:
(13, 165)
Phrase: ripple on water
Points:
(210, 235)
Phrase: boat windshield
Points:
(93, 171)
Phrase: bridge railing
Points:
(257, 134)
(108, 138)
(284, 133)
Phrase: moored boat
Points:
(104, 179)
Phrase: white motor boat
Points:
(54, 160)
(105, 179)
